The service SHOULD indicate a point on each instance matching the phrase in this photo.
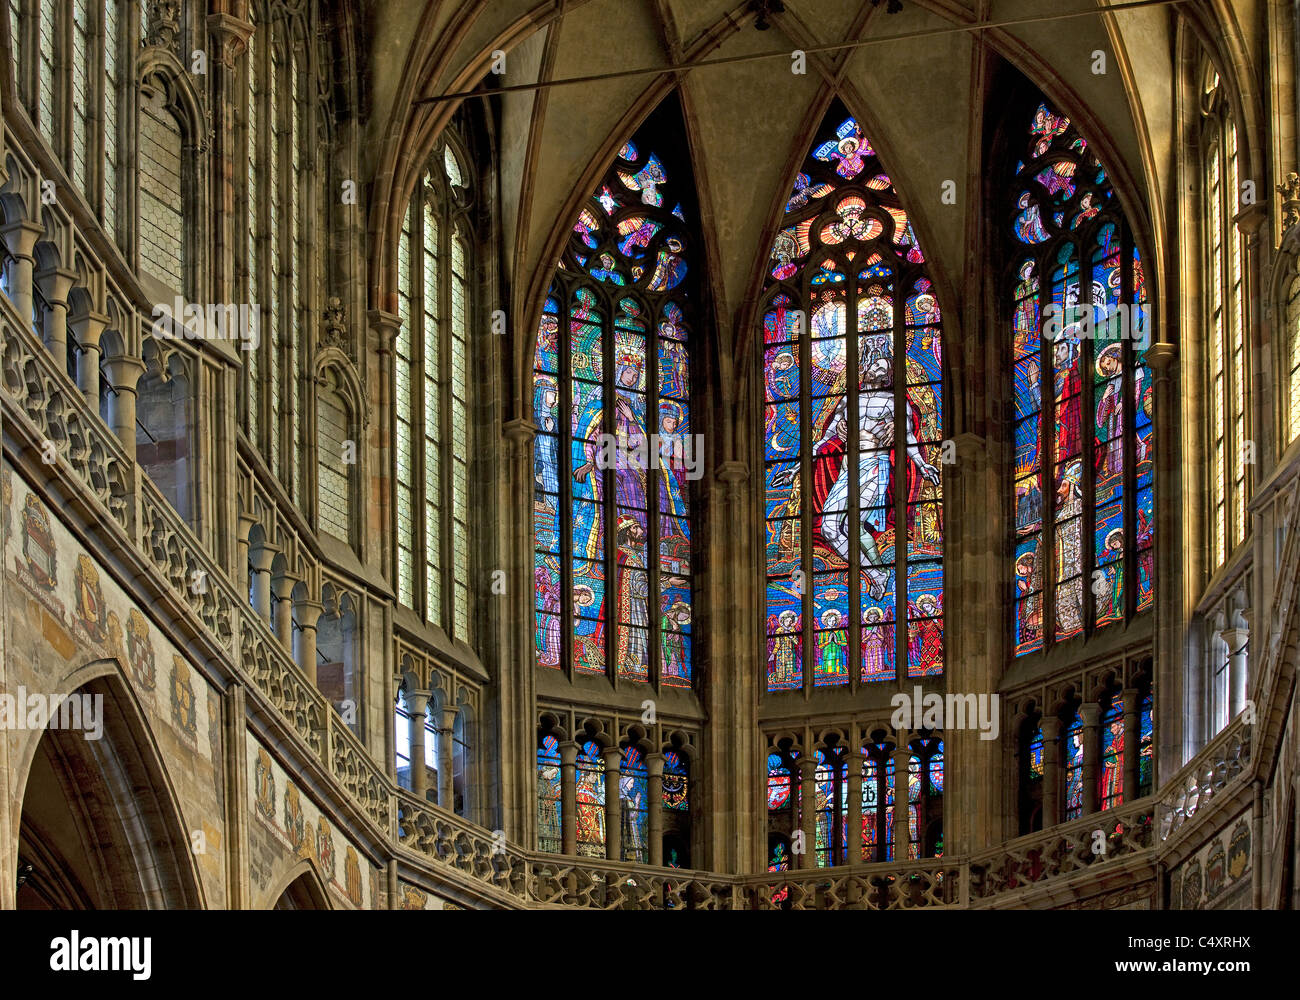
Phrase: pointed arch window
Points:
(550, 798)
(1072, 771)
(1031, 776)
(613, 523)
(1110, 777)
(853, 383)
(435, 254)
(634, 809)
(1291, 313)
(591, 800)
(1225, 322)
(1082, 394)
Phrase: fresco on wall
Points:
(1217, 876)
(290, 827)
(66, 610)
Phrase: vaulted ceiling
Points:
(921, 100)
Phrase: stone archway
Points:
(99, 828)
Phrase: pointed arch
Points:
(302, 887)
(851, 326)
(1076, 294)
(614, 456)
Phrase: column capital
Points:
(1131, 696)
(568, 753)
(386, 324)
(1236, 638)
(808, 767)
(1090, 713)
(231, 35)
(733, 473)
(613, 757)
(20, 237)
(282, 586)
(519, 431)
(417, 700)
(55, 283)
(1051, 726)
(308, 612)
(88, 327)
(1160, 356)
(124, 371)
(265, 556)
(654, 765)
(447, 718)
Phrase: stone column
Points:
(246, 522)
(88, 327)
(283, 588)
(446, 787)
(417, 703)
(654, 769)
(20, 240)
(1132, 737)
(55, 283)
(124, 374)
(1051, 770)
(808, 810)
(261, 587)
(1237, 640)
(1091, 716)
(902, 808)
(853, 768)
(569, 797)
(613, 806)
(308, 613)
(230, 41)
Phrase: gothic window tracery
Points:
(1082, 399)
(613, 509)
(853, 394)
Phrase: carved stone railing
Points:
(931, 883)
(457, 844)
(37, 388)
(1067, 849)
(182, 561)
(1221, 765)
(357, 771)
(273, 672)
(559, 880)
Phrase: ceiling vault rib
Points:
(974, 26)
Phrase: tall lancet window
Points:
(1224, 311)
(1082, 393)
(612, 507)
(853, 384)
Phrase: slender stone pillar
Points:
(569, 797)
(446, 785)
(1132, 699)
(88, 327)
(1051, 770)
(1091, 715)
(902, 808)
(613, 806)
(283, 588)
(20, 240)
(55, 283)
(308, 613)
(808, 810)
(853, 770)
(261, 564)
(654, 769)
(246, 522)
(417, 704)
(124, 374)
(1237, 640)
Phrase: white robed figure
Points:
(876, 431)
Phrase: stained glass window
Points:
(1111, 772)
(112, 95)
(1146, 745)
(634, 807)
(83, 39)
(1072, 756)
(1031, 777)
(1083, 460)
(591, 801)
(925, 799)
(676, 782)
(851, 326)
(549, 796)
(434, 253)
(1291, 312)
(829, 807)
(614, 454)
(1225, 306)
